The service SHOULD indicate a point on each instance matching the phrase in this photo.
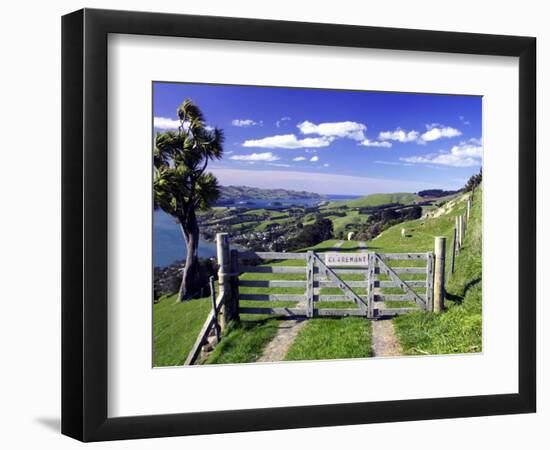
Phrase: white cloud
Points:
(282, 121)
(436, 131)
(462, 155)
(280, 165)
(325, 165)
(299, 158)
(245, 123)
(165, 123)
(463, 120)
(314, 159)
(350, 130)
(288, 141)
(267, 156)
(476, 141)
(368, 143)
(393, 163)
(399, 135)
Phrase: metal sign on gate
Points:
(339, 259)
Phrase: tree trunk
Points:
(190, 284)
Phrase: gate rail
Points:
(368, 294)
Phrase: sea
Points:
(168, 242)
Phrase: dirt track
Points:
(277, 349)
(384, 341)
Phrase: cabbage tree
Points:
(182, 185)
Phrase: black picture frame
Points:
(84, 224)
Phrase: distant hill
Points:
(403, 198)
(239, 193)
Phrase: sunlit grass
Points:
(175, 328)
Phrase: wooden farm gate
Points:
(367, 293)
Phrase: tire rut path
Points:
(278, 347)
(384, 340)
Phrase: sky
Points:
(334, 141)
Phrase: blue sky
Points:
(334, 141)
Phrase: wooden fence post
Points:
(460, 231)
(224, 279)
(371, 274)
(468, 209)
(213, 295)
(453, 254)
(439, 275)
(310, 284)
(235, 283)
(457, 230)
(464, 226)
(429, 281)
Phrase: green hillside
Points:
(175, 328)
(376, 200)
(458, 329)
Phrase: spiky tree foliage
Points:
(181, 184)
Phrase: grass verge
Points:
(175, 328)
(332, 338)
(244, 341)
(458, 329)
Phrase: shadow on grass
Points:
(458, 299)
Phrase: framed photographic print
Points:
(274, 224)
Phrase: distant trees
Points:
(385, 218)
(373, 209)
(411, 213)
(473, 181)
(333, 213)
(181, 184)
(312, 234)
(435, 193)
(396, 215)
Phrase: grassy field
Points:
(375, 200)
(175, 328)
(332, 338)
(352, 217)
(244, 342)
(419, 235)
(458, 330)
(267, 218)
